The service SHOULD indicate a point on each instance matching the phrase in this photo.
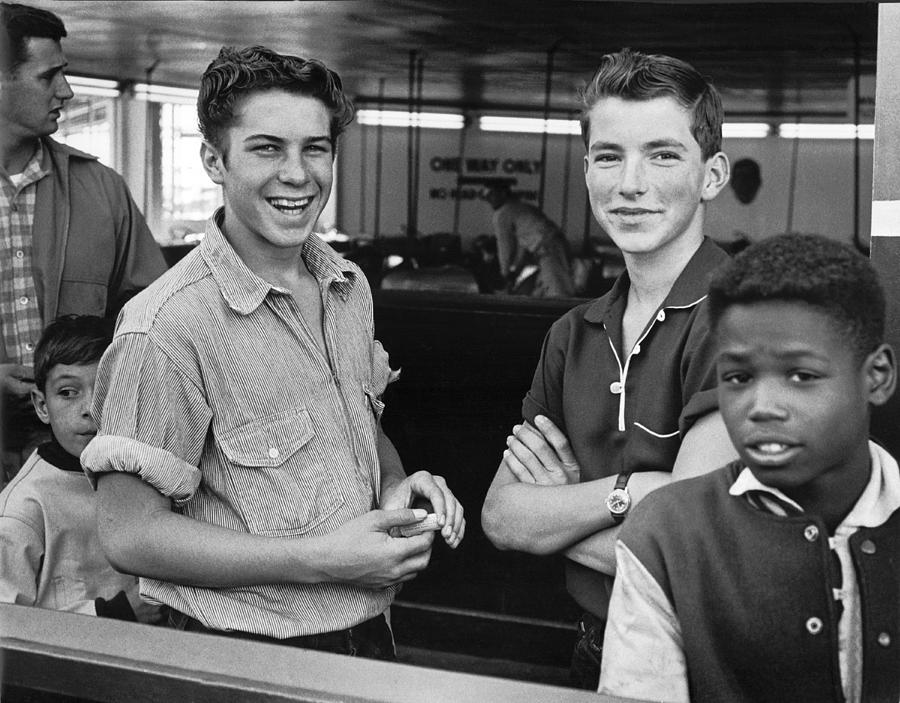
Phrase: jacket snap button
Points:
(274, 453)
(867, 547)
(811, 533)
(615, 387)
(814, 626)
(661, 316)
(884, 639)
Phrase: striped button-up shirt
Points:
(20, 312)
(215, 393)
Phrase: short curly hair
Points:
(235, 73)
(632, 75)
(822, 272)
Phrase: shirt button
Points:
(814, 626)
(29, 347)
(811, 533)
(615, 387)
(661, 316)
(884, 639)
(867, 547)
(637, 349)
(24, 300)
(274, 453)
(20, 254)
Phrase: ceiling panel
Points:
(765, 57)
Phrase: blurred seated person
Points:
(527, 237)
(484, 264)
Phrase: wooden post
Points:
(886, 200)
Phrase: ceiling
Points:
(766, 58)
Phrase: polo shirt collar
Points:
(690, 287)
(879, 500)
(245, 291)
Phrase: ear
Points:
(718, 171)
(40, 405)
(881, 374)
(213, 162)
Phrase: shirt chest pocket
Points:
(281, 485)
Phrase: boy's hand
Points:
(362, 552)
(433, 489)
(541, 454)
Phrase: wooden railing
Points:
(108, 660)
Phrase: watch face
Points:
(618, 501)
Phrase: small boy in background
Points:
(777, 577)
(50, 555)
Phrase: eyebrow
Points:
(647, 146)
(739, 357)
(281, 140)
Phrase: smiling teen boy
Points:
(241, 466)
(623, 396)
(775, 578)
(50, 555)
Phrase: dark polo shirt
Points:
(627, 412)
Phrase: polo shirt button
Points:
(615, 387)
(274, 453)
(867, 547)
(811, 533)
(661, 316)
(814, 626)
(884, 639)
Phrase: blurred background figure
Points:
(531, 249)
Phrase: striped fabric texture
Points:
(215, 393)
(20, 312)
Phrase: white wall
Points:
(823, 195)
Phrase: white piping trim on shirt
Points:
(623, 372)
(657, 434)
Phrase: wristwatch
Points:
(618, 502)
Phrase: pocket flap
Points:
(269, 441)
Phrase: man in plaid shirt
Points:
(71, 238)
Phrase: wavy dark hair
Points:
(631, 75)
(21, 23)
(235, 73)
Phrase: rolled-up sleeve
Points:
(152, 416)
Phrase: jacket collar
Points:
(245, 291)
(688, 290)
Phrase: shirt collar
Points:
(879, 500)
(245, 291)
(688, 290)
(35, 169)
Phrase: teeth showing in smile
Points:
(290, 206)
(771, 447)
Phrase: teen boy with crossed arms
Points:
(623, 398)
(775, 578)
(242, 471)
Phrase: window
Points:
(87, 123)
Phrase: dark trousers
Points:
(371, 639)
(585, 669)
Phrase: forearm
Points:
(391, 466)
(597, 552)
(141, 535)
(543, 519)
(549, 519)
